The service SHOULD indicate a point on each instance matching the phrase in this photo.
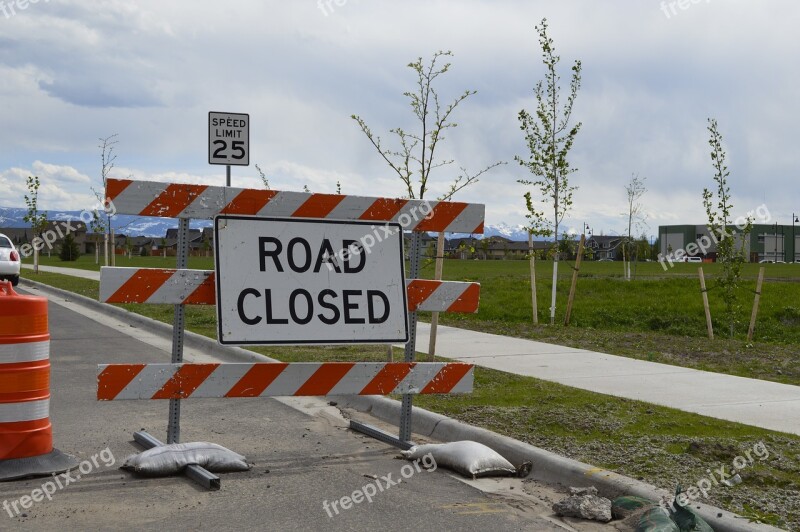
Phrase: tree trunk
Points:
(105, 249)
(533, 280)
(553, 293)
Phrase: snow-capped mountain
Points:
(512, 232)
(123, 224)
(157, 227)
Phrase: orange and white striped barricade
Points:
(184, 201)
(181, 286)
(26, 435)
(116, 382)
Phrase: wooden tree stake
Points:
(574, 279)
(705, 304)
(755, 305)
(435, 315)
(533, 279)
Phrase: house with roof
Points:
(604, 247)
(58, 229)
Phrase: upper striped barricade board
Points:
(196, 287)
(184, 381)
(178, 200)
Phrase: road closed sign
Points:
(297, 281)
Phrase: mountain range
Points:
(12, 217)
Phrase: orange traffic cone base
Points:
(37, 466)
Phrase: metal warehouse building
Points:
(766, 242)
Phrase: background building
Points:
(766, 242)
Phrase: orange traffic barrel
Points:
(26, 436)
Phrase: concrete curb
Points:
(548, 467)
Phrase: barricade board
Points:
(181, 200)
(117, 382)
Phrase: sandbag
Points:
(623, 506)
(656, 519)
(171, 459)
(688, 520)
(468, 458)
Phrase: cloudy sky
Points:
(74, 71)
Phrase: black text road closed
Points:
(296, 281)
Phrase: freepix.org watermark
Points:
(327, 6)
(10, 8)
(379, 485)
(59, 482)
(670, 9)
(378, 235)
(722, 475)
(65, 227)
(761, 215)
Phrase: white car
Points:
(9, 260)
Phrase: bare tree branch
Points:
(420, 148)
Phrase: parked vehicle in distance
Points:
(9, 260)
(605, 260)
(766, 261)
(694, 259)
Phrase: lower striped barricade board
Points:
(185, 381)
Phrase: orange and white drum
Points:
(25, 429)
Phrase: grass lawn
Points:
(657, 317)
(659, 445)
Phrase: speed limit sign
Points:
(229, 138)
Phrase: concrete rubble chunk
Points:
(584, 503)
(591, 490)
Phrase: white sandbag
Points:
(170, 459)
(469, 458)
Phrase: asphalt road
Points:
(302, 458)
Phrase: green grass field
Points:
(656, 301)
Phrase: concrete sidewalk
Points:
(764, 404)
(753, 402)
(74, 272)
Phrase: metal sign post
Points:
(195, 472)
(411, 345)
(174, 428)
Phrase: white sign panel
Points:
(229, 138)
(298, 281)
